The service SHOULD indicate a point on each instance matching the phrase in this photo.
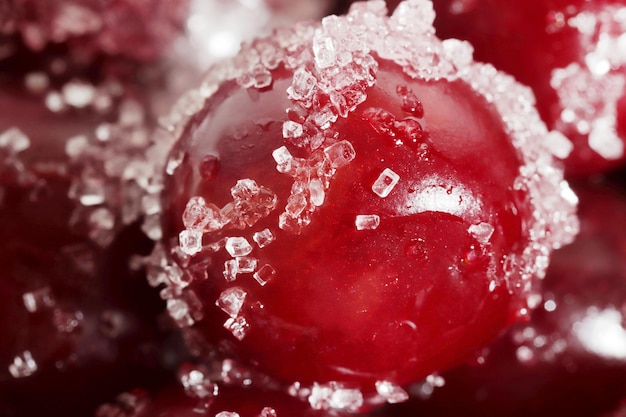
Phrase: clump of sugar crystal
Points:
(589, 91)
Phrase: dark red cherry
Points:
(570, 52)
(72, 311)
(570, 360)
(363, 224)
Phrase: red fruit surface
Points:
(570, 360)
(570, 52)
(364, 283)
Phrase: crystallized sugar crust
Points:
(333, 64)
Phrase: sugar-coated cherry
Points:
(570, 360)
(72, 312)
(353, 217)
(570, 52)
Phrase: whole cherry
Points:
(352, 217)
(570, 52)
(72, 311)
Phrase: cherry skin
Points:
(569, 360)
(393, 270)
(575, 73)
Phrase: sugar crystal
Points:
(36, 82)
(385, 183)
(173, 162)
(263, 238)
(283, 159)
(54, 102)
(14, 140)
(303, 85)
(238, 246)
(38, 299)
(367, 221)
(238, 326)
(603, 333)
(230, 270)
(190, 241)
(227, 414)
(559, 144)
(231, 301)
(292, 130)
(268, 412)
(391, 392)
(244, 189)
(334, 396)
(324, 50)
(296, 205)
(340, 153)
(316, 191)
(245, 264)
(179, 311)
(78, 93)
(196, 381)
(76, 145)
(264, 274)
(23, 365)
(426, 388)
(482, 232)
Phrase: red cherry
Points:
(569, 53)
(353, 239)
(72, 311)
(570, 360)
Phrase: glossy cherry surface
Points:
(569, 53)
(570, 359)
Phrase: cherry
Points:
(570, 359)
(346, 235)
(567, 52)
(72, 310)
